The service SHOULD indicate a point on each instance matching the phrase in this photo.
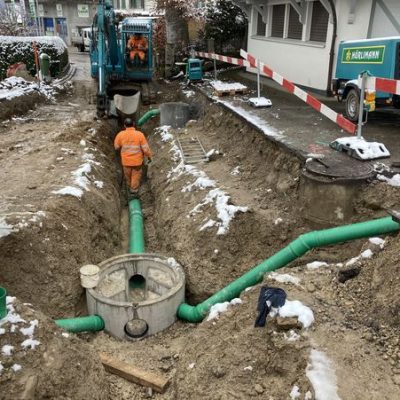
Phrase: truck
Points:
(124, 73)
(82, 40)
(380, 57)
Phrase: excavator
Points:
(124, 75)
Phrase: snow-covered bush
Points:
(15, 49)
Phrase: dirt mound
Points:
(61, 210)
(39, 361)
(229, 358)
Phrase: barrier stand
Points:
(259, 101)
(357, 147)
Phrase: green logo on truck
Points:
(363, 55)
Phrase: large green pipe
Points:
(148, 115)
(294, 250)
(3, 302)
(136, 232)
(91, 323)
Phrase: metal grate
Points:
(192, 151)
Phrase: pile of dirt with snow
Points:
(62, 210)
(18, 95)
(227, 357)
(38, 360)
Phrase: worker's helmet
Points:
(128, 122)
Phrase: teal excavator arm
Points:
(107, 50)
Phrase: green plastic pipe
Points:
(91, 323)
(294, 250)
(148, 115)
(3, 302)
(136, 232)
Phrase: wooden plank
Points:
(133, 374)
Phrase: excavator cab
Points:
(137, 42)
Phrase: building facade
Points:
(299, 38)
(66, 18)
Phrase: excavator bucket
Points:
(127, 106)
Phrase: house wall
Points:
(306, 63)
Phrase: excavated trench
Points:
(40, 265)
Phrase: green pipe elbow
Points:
(189, 313)
(148, 115)
(91, 323)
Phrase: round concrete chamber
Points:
(137, 294)
(174, 114)
(330, 186)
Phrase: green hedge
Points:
(19, 49)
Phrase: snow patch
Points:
(393, 181)
(295, 308)
(316, 264)
(16, 367)
(377, 241)
(69, 191)
(30, 343)
(295, 393)
(224, 86)
(322, 376)
(5, 228)
(284, 278)
(7, 350)
(220, 308)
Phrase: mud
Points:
(356, 322)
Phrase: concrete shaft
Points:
(174, 114)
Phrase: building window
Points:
(295, 28)
(138, 4)
(278, 20)
(319, 22)
(261, 26)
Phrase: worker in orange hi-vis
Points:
(134, 148)
(137, 45)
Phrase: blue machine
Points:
(380, 57)
(110, 57)
(194, 69)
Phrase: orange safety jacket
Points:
(138, 44)
(134, 147)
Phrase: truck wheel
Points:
(352, 105)
(396, 101)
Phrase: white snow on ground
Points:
(316, 264)
(188, 93)
(322, 376)
(15, 86)
(81, 175)
(393, 181)
(225, 211)
(295, 393)
(252, 118)
(10, 323)
(235, 171)
(295, 308)
(284, 278)
(219, 308)
(7, 349)
(16, 367)
(291, 336)
(377, 241)
(69, 190)
(278, 221)
(260, 101)
(5, 228)
(209, 224)
(219, 85)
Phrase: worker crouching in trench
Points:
(134, 148)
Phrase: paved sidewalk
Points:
(296, 126)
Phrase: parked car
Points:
(82, 41)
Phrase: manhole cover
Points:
(339, 167)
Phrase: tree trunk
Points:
(177, 34)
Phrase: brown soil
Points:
(356, 322)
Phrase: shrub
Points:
(15, 49)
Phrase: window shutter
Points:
(295, 30)
(319, 22)
(278, 20)
(261, 26)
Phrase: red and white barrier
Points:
(251, 62)
(383, 85)
(339, 119)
